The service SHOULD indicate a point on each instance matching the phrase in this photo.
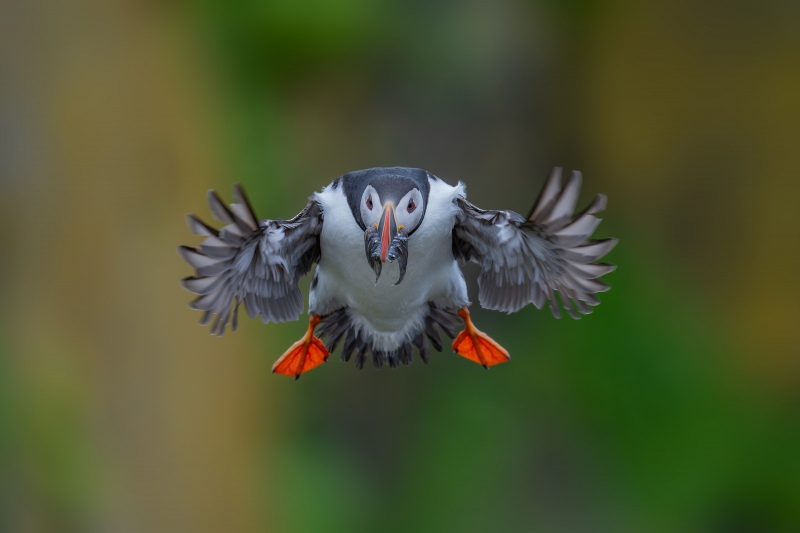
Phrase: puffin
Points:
(388, 244)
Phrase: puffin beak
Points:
(387, 229)
(385, 241)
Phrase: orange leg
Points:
(307, 353)
(478, 346)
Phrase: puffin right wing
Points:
(258, 263)
(528, 260)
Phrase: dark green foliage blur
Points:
(672, 408)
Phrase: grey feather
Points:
(194, 258)
(251, 262)
(565, 205)
(530, 260)
(422, 347)
(218, 252)
(242, 200)
(590, 252)
(548, 195)
(200, 285)
(198, 227)
(218, 208)
(433, 335)
(349, 344)
(343, 324)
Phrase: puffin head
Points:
(389, 205)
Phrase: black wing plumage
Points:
(258, 263)
(528, 260)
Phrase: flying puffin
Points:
(389, 244)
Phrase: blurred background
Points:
(673, 408)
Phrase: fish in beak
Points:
(387, 242)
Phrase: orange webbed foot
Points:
(304, 355)
(478, 346)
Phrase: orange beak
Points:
(387, 229)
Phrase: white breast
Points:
(388, 312)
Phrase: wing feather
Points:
(198, 227)
(565, 205)
(530, 260)
(250, 262)
(548, 195)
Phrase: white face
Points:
(408, 211)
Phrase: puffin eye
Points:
(369, 202)
(411, 205)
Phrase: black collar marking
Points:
(392, 183)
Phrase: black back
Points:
(392, 183)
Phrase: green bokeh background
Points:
(672, 408)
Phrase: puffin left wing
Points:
(528, 260)
(258, 263)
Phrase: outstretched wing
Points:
(258, 263)
(528, 260)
